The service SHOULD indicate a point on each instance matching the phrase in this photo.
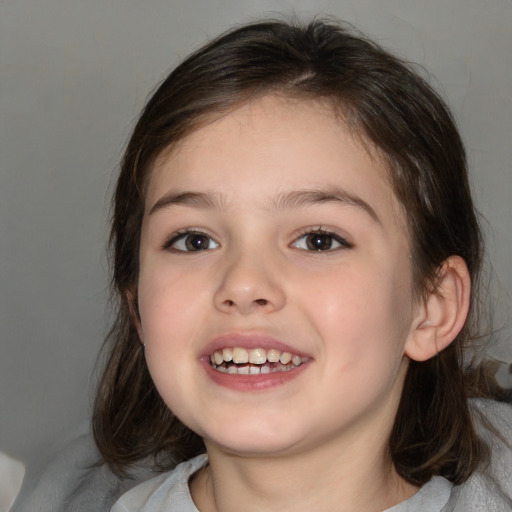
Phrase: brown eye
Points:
(321, 241)
(197, 242)
(192, 242)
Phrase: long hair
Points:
(393, 110)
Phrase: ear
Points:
(131, 297)
(441, 315)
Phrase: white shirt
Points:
(169, 492)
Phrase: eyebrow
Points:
(283, 201)
(311, 197)
(193, 199)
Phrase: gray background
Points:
(74, 75)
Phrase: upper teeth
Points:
(257, 356)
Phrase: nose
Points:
(249, 283)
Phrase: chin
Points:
(252, 442)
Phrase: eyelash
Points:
(319, 231)
(182, 235)
(343, 242)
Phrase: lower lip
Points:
(258, 382)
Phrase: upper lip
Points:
(248, 340)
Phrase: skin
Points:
(319, 438)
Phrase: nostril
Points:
(261, 302)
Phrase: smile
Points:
(240, 361)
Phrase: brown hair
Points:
(388, 105)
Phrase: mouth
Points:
(256, 361)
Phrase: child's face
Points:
(273, 229)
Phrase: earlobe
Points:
(442, 314)
(131, 297)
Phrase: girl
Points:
(296, 256)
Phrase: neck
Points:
(358, 477)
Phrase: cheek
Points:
(170, 307)
(362, 313)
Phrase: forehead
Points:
(287, 143)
